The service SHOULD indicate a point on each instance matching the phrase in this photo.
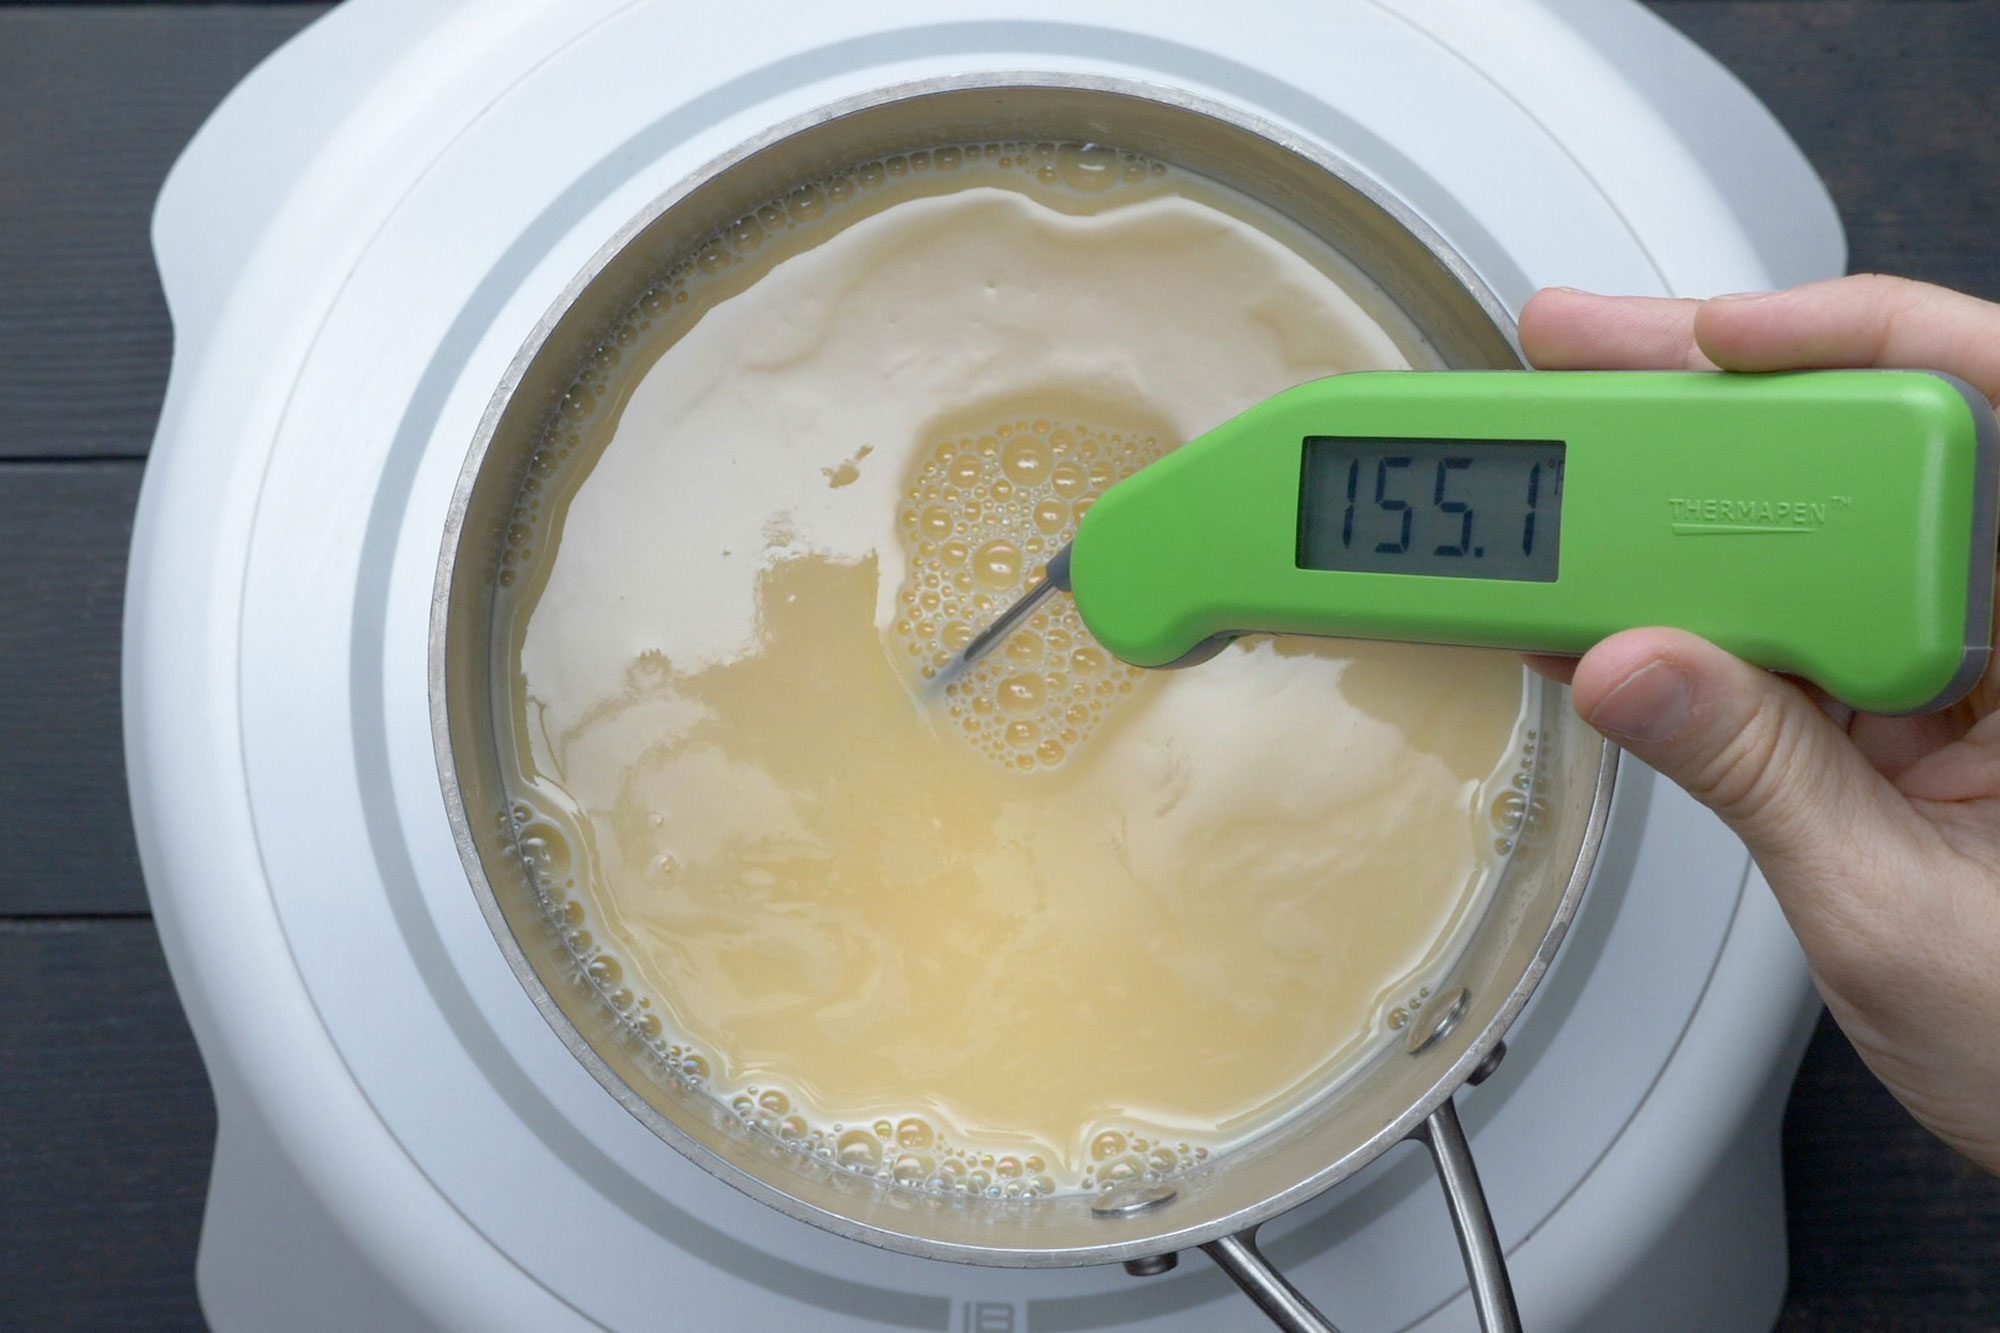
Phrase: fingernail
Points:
(1650, 705)
(1742, 296)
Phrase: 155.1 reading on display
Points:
(1469, 509)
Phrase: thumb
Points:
(1749, 745)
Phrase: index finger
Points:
(1565, 329)
(1868, 319)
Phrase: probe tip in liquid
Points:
(1055, 578)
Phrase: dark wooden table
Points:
(105, 1116)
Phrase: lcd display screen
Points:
(1465, 509)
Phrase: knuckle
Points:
(1748, 774)
(1884, 288)
(1893, 302)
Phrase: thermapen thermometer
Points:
(1834, 525)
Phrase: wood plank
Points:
(106, 1126)
(1890, 1229)
(95, 105)
(1895, 104)
(65, 528)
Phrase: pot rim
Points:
(581, 1048)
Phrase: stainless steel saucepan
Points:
(1404, 1091)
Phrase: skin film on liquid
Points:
(1068, 923)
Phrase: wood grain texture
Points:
(1896, 103)
(94, 106)
(106, 1126)
(1890, 1229)
(64, 528)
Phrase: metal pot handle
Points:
(1246, 1265)
(1478, 1243)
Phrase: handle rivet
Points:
(1152, 1265)
(1138, 1197)
(1436, 1020)
(1488, 1065)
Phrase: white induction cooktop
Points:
(354, 248)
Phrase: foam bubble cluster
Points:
(907, 1151)
(1519, 813)
(910, 1151)
(980, 519)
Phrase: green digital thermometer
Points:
(1838, 526)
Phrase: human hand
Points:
(1880, 836)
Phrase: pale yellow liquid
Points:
(1069, 923)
